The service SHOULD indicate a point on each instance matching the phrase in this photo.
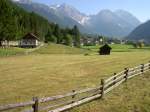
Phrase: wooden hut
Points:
(29, 41)
(105, 50)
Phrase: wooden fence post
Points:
(126, 72)
(114, 78)
(36, 104)
(73, 96)
(142, 68)
(103, 88)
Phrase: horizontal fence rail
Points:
(67, 101)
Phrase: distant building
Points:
(10, 43)
(122, 41)
(85, 41)
(30, 40)
(105, 50)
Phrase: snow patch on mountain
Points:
(54, 7)
(84, 20)
(22, 1)
(71, 12)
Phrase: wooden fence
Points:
(61, 103)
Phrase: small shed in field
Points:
(29, 41)
(105, 50)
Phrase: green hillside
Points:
(141, 33)
(15, 23)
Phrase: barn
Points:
(29, 41)
(105, 50)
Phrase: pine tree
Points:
(68, 40)
(15, 23)
(57, 33)
(76, 34)
(8, 25)
(50, 37)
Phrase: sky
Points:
(139, 8)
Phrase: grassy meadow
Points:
(118, 48)
(11, 51)
(59, 49)
(47, 72)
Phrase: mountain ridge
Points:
(109, 23)
(141, 33)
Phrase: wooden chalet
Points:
(29, 41)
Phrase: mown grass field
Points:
(46, 72)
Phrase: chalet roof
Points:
(106, 46)
(30, 36)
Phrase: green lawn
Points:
(62, 49)
(118, 48)
(59, 49)
(11, 51)
(46, 49)
(48, 72)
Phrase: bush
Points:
(86, 54)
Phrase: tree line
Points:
(15, 23)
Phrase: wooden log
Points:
(36, 104)
(93, 94)
(138, 70)
(114, 86)
(134, 75)
(111, 78)
(76, 103)
(119, 78)
(53, 98)
(116, 80)
(137, 67)
(146, 65)
(146, 70)
(14, 106)
(133, 72)
(108, 84)
(56, 105)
